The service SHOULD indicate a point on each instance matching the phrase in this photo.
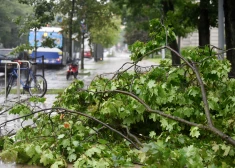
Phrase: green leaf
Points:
(215, 147)
(143, 50)
(153, 117)
(188, 111)
(194, 132)
(75, 143)
(194, 92)
(113, 87)
(181, 139)
(167, 139)
(38, 149)
(128, 121)
(142, 79)
(226, 149)
(61, 136)
(102, 141)
(47, 158)
(92, 151)
(65, 143)
(152, 134)
(102, 163)
(140, 109)
(142, 156)
(151, 84)
(58, 164)
(72, 157)
(30, 150)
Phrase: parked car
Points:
(87, 54)
(5, 54)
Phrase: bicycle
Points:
(36, 85)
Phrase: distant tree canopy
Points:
(10, 10)
(185, 16)
(179, 15)
(95, 20)
(98, 17)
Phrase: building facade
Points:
(193, 39)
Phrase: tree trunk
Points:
(204, 24)
(82, 51)
(168, 5)
(175, 58)
(71, 31)
(229, 7)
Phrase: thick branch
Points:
(161, 113)
(203, 91)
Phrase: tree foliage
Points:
(159, 115)
(98, 17)
(183, 12)
(10, 10)
(43, 14)
(107, 36)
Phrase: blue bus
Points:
(52, 56)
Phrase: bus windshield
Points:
(45, 54)
(42, 34)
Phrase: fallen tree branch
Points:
(210, 128)
(72, 112)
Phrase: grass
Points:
(55, 91)
(49, 91)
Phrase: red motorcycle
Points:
(73, 70)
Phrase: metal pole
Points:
(18, 78)
(43, 67)
(35, 43)
(18, 81)
(221, 27)
(5, 81)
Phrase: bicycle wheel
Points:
(9, 85)
(37, 86)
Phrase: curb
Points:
(84, 73)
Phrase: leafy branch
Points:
(51, 110)
(161, 113)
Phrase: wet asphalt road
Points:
(56, 79)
